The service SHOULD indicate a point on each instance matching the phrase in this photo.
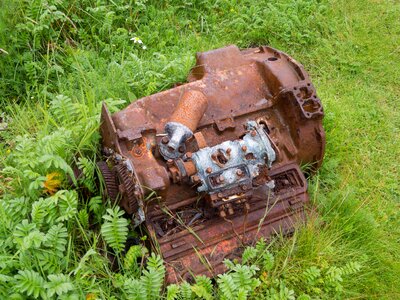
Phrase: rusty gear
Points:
(110, 182)
(127, 188)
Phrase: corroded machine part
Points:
(212, 165)
(182, 124)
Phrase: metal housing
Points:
(212, 165)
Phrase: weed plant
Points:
(59, 59)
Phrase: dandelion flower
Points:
(52, 183)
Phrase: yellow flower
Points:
(8, 151)
(52, 183)
(91, 296)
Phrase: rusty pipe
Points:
(183, 123)
(190, 109)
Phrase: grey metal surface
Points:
(232, 163)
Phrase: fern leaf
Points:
(186, 291)
(131, 257)
(58, 284)
(201, 292)
(153, 276)
(56, 239)
(226, 286)
(115, 228)
(205, 282)
(68, 203)
(134, 289)
(83, 218)
(30, 283)
(172, 292)
(249, 254)
(268, 260)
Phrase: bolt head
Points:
(165, 140)
(209, 170)
(239, 172)
(195, 178)
(244, 148)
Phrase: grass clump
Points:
(59, 59)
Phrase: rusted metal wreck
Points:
(212, 165)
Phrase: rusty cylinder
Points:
(190, 109)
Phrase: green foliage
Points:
(30, 283)
(132, 264)
(148, 286)
(58, 284)
(115, 228)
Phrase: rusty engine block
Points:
(212, 165)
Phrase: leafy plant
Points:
(115, 228)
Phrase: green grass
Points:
(351, 50)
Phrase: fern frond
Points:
(16, 209)
(172, 292)
(131, 257)
(153, 276)
(134, 289)
(83, 218)
(67, 204)
(56, 239)
(226, 286)
(26, 235)
(185, 291)
(58, 284)
(115, 228)
(268, 260)
(205, 282)
(249, 254)
(242, 294)
(201, 292)
(30, 283)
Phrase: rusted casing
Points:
(228, 90)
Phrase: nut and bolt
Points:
(230, 210)
(244, 187)
(220, 195)
(239, 172)
(244, 148)
(195, 178)
(209, 170)
(165, 140)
